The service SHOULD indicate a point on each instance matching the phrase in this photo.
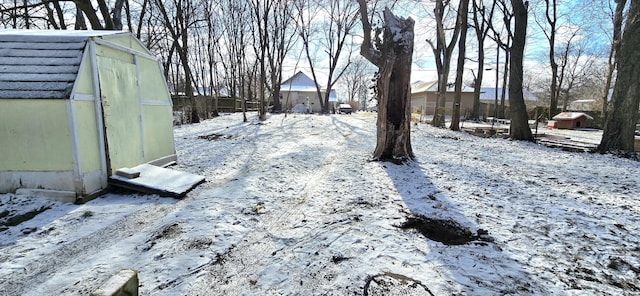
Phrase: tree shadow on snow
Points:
(473, 259)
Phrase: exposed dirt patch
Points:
(200, 243)
(167, 232)
(394, 284)
(13, 220)
(338, 259)
(447, 232)
(215, 137)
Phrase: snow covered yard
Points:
(294, 206)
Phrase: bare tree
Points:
(261, 12)
(481, 16)
(356, 78)
(443, 52)
(551, 23)
(180, 35)
(617, 19)
(233, 49)
(392, 54)
(621, 121)
(341, 17)
(463, 18)
(100, 17)
(519, 118)
(503, 36)
(281, 39)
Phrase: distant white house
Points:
(300, 90)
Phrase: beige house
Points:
(425, 94)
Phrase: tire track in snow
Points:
(73, 253)
(278, 230)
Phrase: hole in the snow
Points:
(447, 232)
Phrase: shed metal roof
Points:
(41, 64)
(570, 116)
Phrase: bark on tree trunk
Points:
(519, 118)
(475, 114)
(392, 55)
(503, 94)
(619, 129)
(613, 54)
(462, 44)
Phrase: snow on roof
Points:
(41, 63)
(489, 94)
(421, 86)
(332, 96)
(570, 116)
(298, 82)
(432, 86)
(302, 83)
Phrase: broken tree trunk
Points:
(392, 54)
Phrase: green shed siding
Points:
(35, 135)
(84, 82)
(152, 81)
(87, 135)
(157, 136)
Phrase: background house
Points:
(75, 106)
(425, 94)
(300, 89)
(488, 98)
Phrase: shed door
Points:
(122, 116)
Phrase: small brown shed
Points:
(569, 120)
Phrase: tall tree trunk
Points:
(104, 11)
(477, 86)
(117, 15)
(27, 22)
(519, 118)
(51, 17)
(87, 9)
(443, 53)
(551, 15)
(505, 79)
(462, 45)
(480, 24)
(613, 53)
(393, 58)
(619, 129)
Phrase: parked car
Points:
(344, 109)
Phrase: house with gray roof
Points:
(300, 91)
